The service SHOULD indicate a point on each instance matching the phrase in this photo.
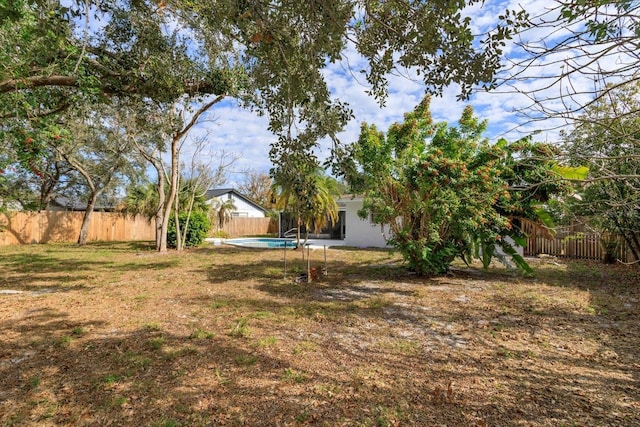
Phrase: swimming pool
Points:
(263, 243)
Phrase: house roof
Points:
(350, 198)
(217, 192)
(73, 204)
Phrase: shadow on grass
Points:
(59, 372)
(61, 267)
(137, 245)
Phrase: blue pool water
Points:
(262, 242)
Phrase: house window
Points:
(229, 196)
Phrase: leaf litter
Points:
(184, 339)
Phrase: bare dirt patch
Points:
(116, 334)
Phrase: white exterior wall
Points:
(360, 232)
(243, 209)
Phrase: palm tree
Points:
(309, 196)
(325, 207)
(222, 212)
(141, 199)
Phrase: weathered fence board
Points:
(238, 226)
(572, 242)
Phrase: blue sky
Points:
(239, 131)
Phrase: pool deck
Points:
(311, 243)
(321, 243)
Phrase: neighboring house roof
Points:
(217, 192)
(76, 205)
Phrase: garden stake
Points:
(285, 260)
(308, 263)
(325, 261)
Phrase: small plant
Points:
(200, 334)
(156, 343)
(303, 417)
(401, 346)
(304, 346)
(262, 314)
(64, 341)
(119, 401)
(178, 373)
(151, 326)
(112, 379)
(184, 351)
(77, 331)
(590, 309)
(266, 342)
(165, 423)
(136, 361)
(141, 298)
(386, 417)
(295, 376)
(240, 330)
(245, 360)
(328, 390)
(506, 353)
(219, 304)
(34, 382)
(50, 408)
(378, 302)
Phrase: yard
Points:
(117, 334)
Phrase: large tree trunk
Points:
(86, 219)
(173, 189)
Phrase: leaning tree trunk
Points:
(86, 219)
(173, 189)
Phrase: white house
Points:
(350, 229)
(245, 207)
(360, 232)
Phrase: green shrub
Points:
(198, 228)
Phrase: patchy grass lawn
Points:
(116, 334)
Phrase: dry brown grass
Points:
(116, 334)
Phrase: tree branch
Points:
(190, 88)
(37, 81)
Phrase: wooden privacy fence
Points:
(239, 226)
(569, 242)
(60, 226)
